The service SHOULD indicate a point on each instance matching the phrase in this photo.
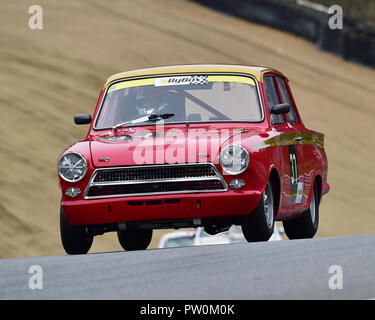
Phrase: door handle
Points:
(297, 138)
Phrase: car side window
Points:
(292, 114)
(272, 99)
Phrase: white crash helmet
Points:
(151, 100)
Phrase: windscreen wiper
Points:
(149, 118)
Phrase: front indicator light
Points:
(237, 184)
(73, 192)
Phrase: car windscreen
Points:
(203, 98)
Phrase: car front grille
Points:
(153, 180)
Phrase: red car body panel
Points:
(269, 149)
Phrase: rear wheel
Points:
(134, 239)
(75, 239)
(307, 225)
(259, 225)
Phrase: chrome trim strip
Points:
(115, 183)
(218, 177)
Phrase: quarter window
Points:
(272, 99)
(292, 114)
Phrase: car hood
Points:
(139, 147)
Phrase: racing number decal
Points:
(296, 187)
(293, 168)
(293, 165)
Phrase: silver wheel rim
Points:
(268, 206)
(312, 208)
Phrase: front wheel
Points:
(134, 239)
(259, 225)
(307, 225)
(75, 239)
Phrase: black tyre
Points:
(307, 225)
(134, 239)
(75, 239)
(258, 225)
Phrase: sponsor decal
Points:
(299, 192)
(181, 81)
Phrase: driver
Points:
(141, 101)
(151, 100)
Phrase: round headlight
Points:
(234, 159)
(72, 167)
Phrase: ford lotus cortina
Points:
(192, 146)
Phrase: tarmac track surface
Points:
(298, 269)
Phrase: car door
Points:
(295, 146)
(287, 154)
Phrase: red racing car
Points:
(192, 146)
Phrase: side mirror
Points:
(280, 108)
(82, 119)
